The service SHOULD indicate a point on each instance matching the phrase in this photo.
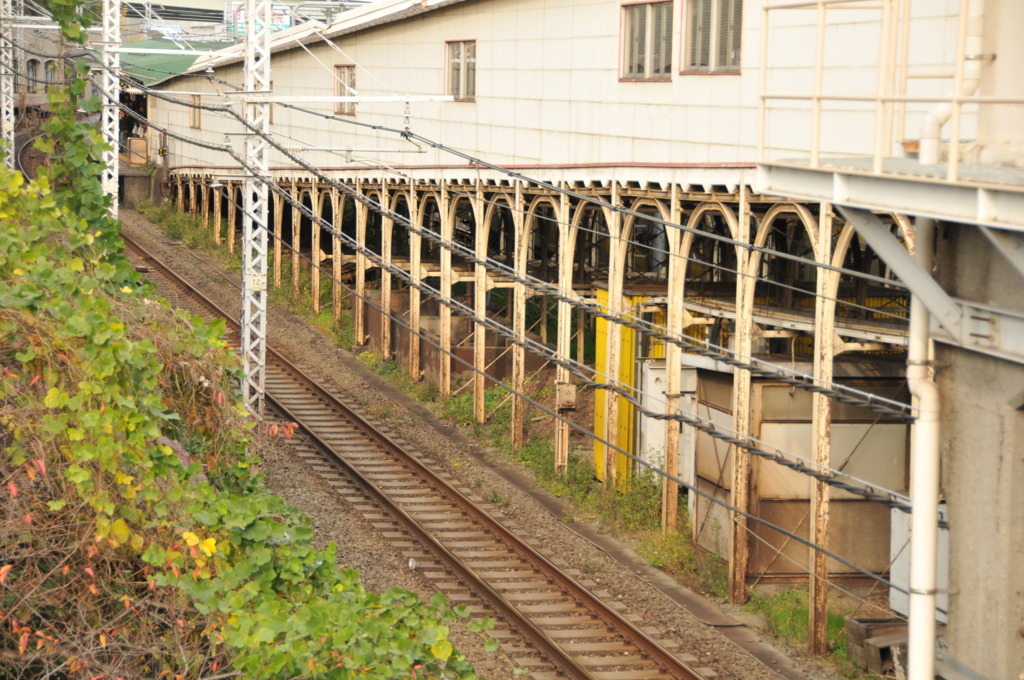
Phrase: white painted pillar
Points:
(673, 366)
(519, 322)
(337, 259)
(826, 286)
(387, 232)
(232, 215)
(296, 237)
(217, 210)
(316, 255)
(616, 276)
(480, 306)
(110, 116)
(566, 251)
(741, 409)
(415, 264)
(7, 77)
(445, 312)
(362, 264)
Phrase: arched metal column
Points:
(613, 349)
(278, 233)
(519, 322)
(217, 210)
(316, 255)
(207, 191)
(444, 375)
(673, 365)
(415, 264)
(338, 210)
(387, 227)
(362, 264)
(480, 290)
(564, 388)
(232, 214)
(296, 195)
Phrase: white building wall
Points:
(549, 92)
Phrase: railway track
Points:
(548, 623)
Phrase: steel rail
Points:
(648, 648)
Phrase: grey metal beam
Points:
(894, 254)
(986, 329)
(1010, 245)
(995, 205)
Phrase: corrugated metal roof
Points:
(149, 69)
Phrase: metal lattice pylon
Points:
(254, 202)
(7, 81)
(111, 80)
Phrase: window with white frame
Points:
(345, 86)
(32, 75)
(647, 41)
(194, 112)
(713, 35)
(462, 69)
(50, 72)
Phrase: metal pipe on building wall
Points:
(924, 482)
(931, 129)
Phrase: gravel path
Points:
(529, 512)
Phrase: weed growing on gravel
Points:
(497, 499)
(785, 616)
(671, 552)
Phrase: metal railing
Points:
(894, 73)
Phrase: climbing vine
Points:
(137, 538)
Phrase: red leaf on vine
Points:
(89, 571)
(34, 380)
(28, 518)
(40, 464)
(4, 570)
(13, 488)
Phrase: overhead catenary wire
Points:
(752, 445)
(759, 367)
(636, 459)
(652, 218)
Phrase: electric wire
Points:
(748, 443)
(759, 367)
(636, 459)
(802, 380)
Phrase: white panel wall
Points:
(548, 88)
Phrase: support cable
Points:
(636, 459)
(757, 366)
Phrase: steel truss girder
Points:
(111, 79)
(981, 328)
(255, 203)
(7, 82)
